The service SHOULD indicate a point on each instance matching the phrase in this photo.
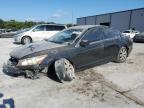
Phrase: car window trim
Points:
(83, 34)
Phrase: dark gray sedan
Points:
(71, 50)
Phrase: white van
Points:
(37, 33)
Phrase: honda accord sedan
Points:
(73, 49)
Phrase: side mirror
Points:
(84, 43)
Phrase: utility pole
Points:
(72, 17)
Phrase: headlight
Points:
(32, 61)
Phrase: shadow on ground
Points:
(52, 74)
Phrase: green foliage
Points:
(1, 24)
(15, 25)
(12, 24)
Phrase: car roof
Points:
(53, 24)
(85, 27)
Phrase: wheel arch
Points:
(58, 74)
(126, 46)
(51, 64)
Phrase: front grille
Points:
(14, 61)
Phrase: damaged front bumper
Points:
(10, 68)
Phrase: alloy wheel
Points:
(26, 41)
(123, 54)
(64, 70)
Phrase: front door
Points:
(93, 52)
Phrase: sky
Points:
(61, 11)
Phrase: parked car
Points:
(37, 33)
(73, 49)
(131, 33)
(139, 37)
(4, 30)
(7, 33)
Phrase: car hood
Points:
(25, 50)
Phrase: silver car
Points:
(37, 33)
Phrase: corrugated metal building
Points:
(123, 20)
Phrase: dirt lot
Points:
(88, 90)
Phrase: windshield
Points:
(65, 37)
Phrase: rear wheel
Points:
(64, 70)
(122, 55)
(26, 40)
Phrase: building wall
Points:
(90, 20)
(120, 20)
(81, 21)
(137, 20)
(103, 18)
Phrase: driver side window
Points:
(94, 34)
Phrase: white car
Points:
(131, 33)
(38, 33)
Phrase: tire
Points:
(26, 40)
(122, 55)
(64, 70)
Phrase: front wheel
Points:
(122, 55)
(64, 70)
(26, 40)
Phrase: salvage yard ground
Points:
(111, 85)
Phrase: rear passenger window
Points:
(40, 28)
(49, 28)
(94, 34)
(111, 33)
(57, 28)
(54, 28)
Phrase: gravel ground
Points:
(132, 72)
(86, 91)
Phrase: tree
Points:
(1, 24)
(13, 24)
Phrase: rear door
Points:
(111, 43)
(38, 33)
(52, 30)
(93, 52)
